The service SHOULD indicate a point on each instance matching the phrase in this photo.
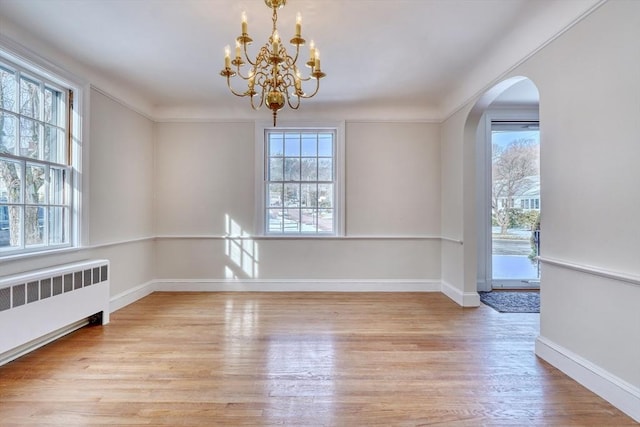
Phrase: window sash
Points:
(300, 182)
(36, 144)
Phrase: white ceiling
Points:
(396, 57)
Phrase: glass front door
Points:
(515, 204)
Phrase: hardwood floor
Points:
(298, 359)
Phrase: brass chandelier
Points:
(274, 76)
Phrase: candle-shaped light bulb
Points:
(298, 24)
(237, 49)
(275, 42)
(312, 53)
(244, 23)
(227, 58)
(252, 78)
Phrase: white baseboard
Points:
(618, 392)
(464, 299)
(257, 285)
(132, 295)
(264, 285)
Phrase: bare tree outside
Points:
(28, 129)
(10, 186)
(512, 169)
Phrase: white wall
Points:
(121, 172)
(393, 179)
(206, 188)
(204, 173)
(589, 112)
(453, 260)
(120, 191)
(589, 115)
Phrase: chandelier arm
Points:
(261, 76)
(306, 79)
(233, 91)
(305, 96)
(261, 103)
(292, 106)
(239, 73)
(241, 76)
(301, 77)
(246, 56)
(290, 64)
(295, 58)
(288, 80)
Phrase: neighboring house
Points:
(527, 200)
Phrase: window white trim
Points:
(340, 208)
(28, 60)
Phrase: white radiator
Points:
(39, 306)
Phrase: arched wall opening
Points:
(506, 101)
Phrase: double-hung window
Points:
(35, 162)
(301, 181)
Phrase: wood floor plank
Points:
(298, 359)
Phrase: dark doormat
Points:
(512, 301)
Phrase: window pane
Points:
(301, 204)
(53, 107)
(291, 169)
(7, 89)
(10, 181)
(34, 225)
(275, 169)
(275, 195)
(291, 220)
(34, 185)
(30, 132)
(276, 144)
(309, 169)
(10, 217)
(54, 146)
(309, 195)
(325, 220)
(29, 98)
(4, 226)
(308, 221)
(292, 195)
(7, 133)
(325, 170)
(292, 144)
(325, 195)
(325, 145)
(57, 186)
(309, 145)
(274, 220)
(58, 223)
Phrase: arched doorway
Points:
(504, 123)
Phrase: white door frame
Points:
(483, 186)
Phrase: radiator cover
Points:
(38, 306)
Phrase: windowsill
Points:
(45, 253)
